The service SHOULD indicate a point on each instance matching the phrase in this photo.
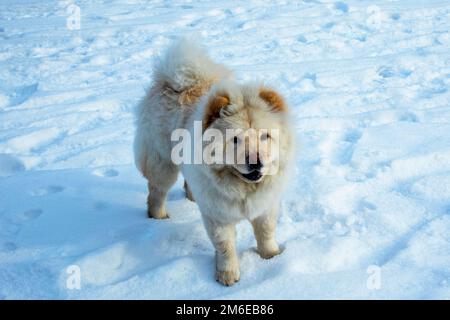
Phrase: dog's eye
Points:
(236, 140)
(264, 136)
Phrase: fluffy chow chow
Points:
(246, 147)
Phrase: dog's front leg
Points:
(223, 238)
(264, 230)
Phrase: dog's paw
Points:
(158, 215)
(229, 277)
(269, 250)
(269, 254)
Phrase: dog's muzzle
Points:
(253, 176)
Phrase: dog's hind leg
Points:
(264, 230)
(189, 195)
(161, 175)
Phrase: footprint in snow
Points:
(341, 6)
(9, 247)
(352, 136)
(47, 190)
(10, 165)
(408, 117)
(15, 96)
(328, 26)
(100, 206)
(302, 39)
(364, 205)
(347, 146)
(391, 72)
(395, 16)
(106, 173)
(32, 214)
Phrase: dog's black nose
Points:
(254, 166)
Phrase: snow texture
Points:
(368, 83)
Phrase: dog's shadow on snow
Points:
(97, 219)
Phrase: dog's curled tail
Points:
(186, 72)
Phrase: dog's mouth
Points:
(253, 177)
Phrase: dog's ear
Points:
(212, 111)
(273, 99)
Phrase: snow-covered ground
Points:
(368, 212)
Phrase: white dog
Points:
(188, 87)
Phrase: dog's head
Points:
(252, 121)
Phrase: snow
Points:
(368, 83)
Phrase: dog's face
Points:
(251, 121)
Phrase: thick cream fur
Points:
(185, 79)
